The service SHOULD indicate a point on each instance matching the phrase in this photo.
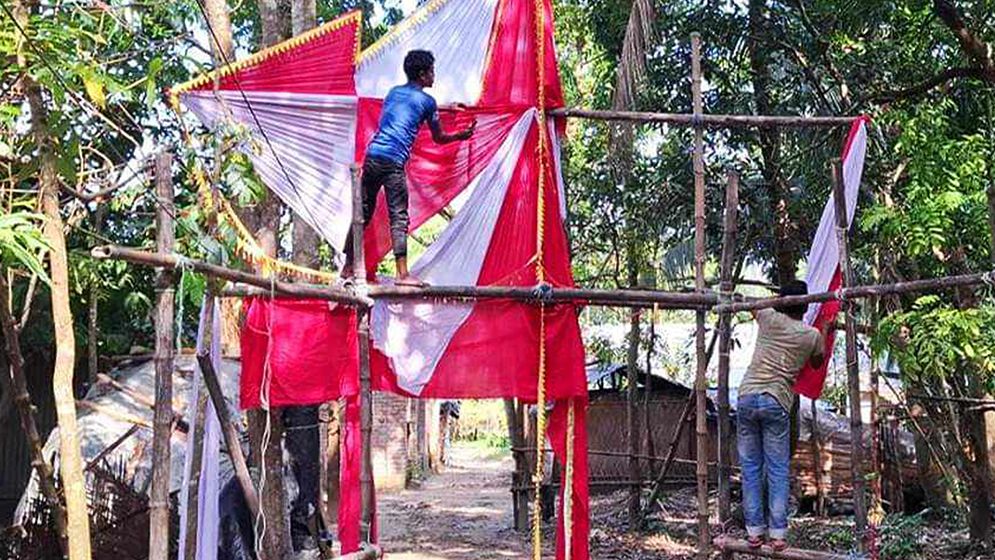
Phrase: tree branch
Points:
(925, 86)
(976, 49)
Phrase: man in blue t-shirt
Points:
(404, 110)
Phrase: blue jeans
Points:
(764, 453)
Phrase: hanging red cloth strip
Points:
(558, 433)
(311, 348)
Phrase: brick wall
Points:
(395, 438)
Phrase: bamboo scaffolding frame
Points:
(700, 301)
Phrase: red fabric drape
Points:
(581, 514)
(312, 348)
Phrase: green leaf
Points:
(95, 90)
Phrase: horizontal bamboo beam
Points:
(242, 291)
(741, 547)
(706, 120)
(549, 295)
(135, 256)
(858, 292)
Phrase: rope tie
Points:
(264, 404)
(543, 293)
(184, 265)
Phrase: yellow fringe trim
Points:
(245, 244)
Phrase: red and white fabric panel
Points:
(823, 258)
(299, 106)
(457, 32)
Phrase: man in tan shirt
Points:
(784, 345)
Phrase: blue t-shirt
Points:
(404, 109)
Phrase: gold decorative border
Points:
(355, 16)
(245, 244)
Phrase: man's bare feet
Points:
(778, 544)
(755, 542)
(409, 281)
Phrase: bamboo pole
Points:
(701, 425)
(260, 286)
(171, 261)
(632, 421)
(876, 509)
(365, 394)
(725, 340)
(163, 415)
(707, 121)
(820, 491)
(741, 547)
(22, 399)
(229, 432)
(853, 372)
(861, 292)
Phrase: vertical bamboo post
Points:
(648, 447)
(163, 415)
(632, 420)
(701, 423)
(820, 492)
(725, 340)
(365, 395)
(852, 369)
(875, 510)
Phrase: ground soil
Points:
(465, 512)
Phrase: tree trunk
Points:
(785, 247)
(266, 434)
(980, 500)
(21, 397)
(220, 22)
(70, 457)
(274, 16)
(305, 240)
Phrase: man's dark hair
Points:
(417, 63)
(793, 288)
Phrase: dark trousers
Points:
(300, 424)
(389, 175)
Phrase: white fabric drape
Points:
(414, 334)
(458, 34)
(208, 516)
(823, 257)
(313, 137)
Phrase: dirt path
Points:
(464, 512)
